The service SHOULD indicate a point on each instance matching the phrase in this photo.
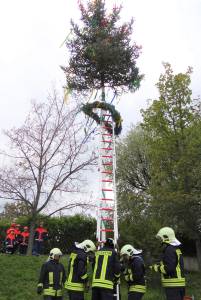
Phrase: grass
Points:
(19, 275)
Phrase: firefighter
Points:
(52, 277)
(77, 281)
(134, 272)
(17, 231)
(17, 236)
(171, 266)
(10, 241)
(12, 227)
(40, 236)
(106, 273)
(24, 241)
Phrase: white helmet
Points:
(54, 252)
(129, 250)
(167, 235)
(87, 246)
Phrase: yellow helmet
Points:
(166, 234)
(87, 246)
(129, 250)
(54, 252)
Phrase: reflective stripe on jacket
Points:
(52, 278)
(106, 268)
(77, 270)
(172, 267)
(135, 275)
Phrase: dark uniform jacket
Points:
(172, 267)
(77, 270)
(106, 268)
(52, 278)
(135, 275)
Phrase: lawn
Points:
(19, 274)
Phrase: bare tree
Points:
(47, 156)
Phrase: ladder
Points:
(107, 219)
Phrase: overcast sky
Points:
(31, 32)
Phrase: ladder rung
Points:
(107, 164)
(107, 230)
(107, 219)
(107, 127)
(107, 115)
(106, 172)
(107, 208)
(106, 156)
(107, 199)
(107, 149)
(107, 134)
(105, 141)
(107, 190)
(106, 180)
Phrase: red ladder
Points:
(107, 225)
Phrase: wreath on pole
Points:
(116, 117)
(102, 56)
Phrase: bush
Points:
(62, 231)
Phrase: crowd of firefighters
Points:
(108, 265)
(17, 240)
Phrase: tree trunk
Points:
(198, 252)
(31, 236)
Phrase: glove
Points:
(39, 290)
(86, 286)
(155, 267)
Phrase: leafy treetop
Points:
(101, 52)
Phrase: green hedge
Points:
(62, 231)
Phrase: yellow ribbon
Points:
(67, 92)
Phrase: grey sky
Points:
(32, 31)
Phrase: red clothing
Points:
(9, 230)
(17, 232)
(40, 234)
(25, 237)
(12, 227)
(10, 239)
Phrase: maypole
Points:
(103, 58)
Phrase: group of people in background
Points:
(17, 239)
(108, 265)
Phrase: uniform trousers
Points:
(175, 293)
(76, 295)
(102, 294)
(135, 296)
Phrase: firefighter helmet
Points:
(55, 252)
(166, 234)
(129, 250)
(87, 246)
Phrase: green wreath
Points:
(116, 117)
